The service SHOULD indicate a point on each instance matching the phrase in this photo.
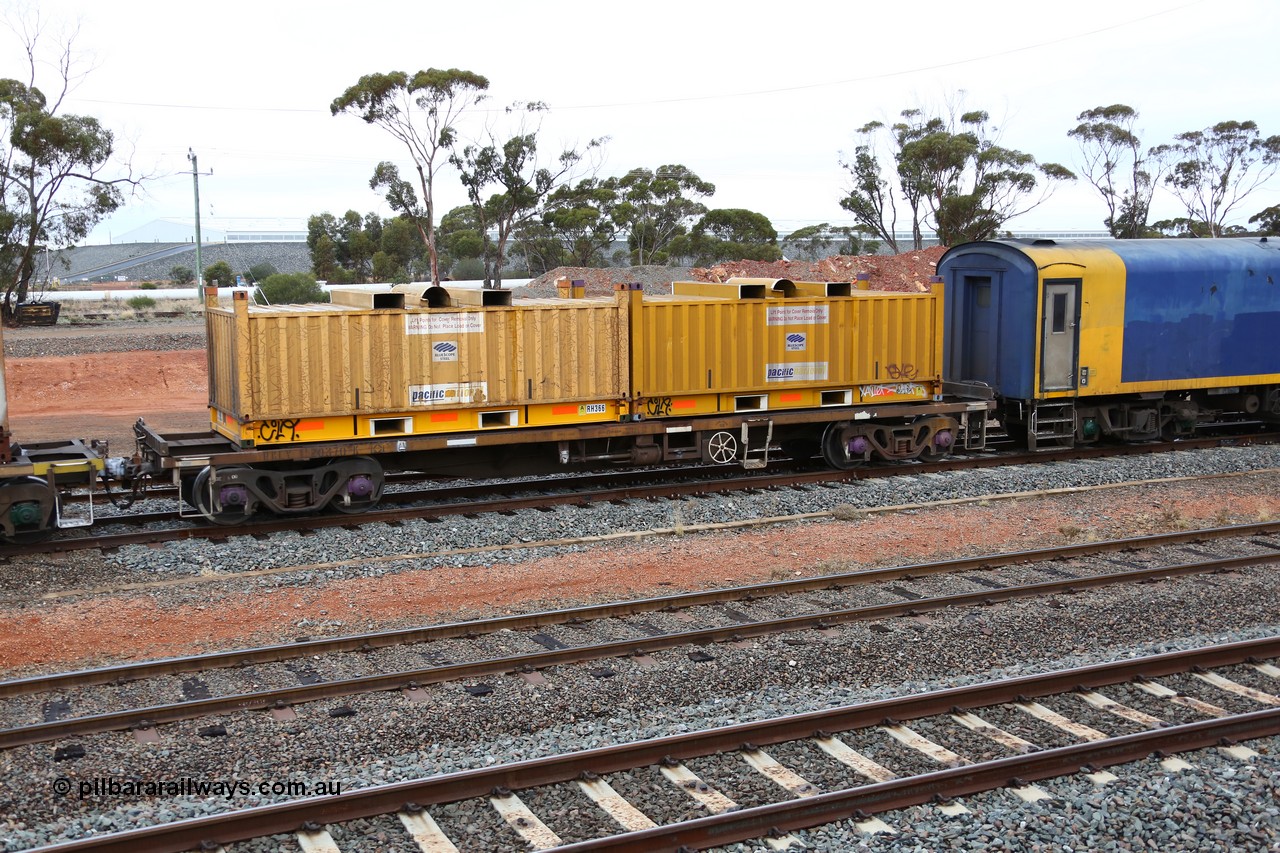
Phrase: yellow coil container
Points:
(309, 361)
(689, 345)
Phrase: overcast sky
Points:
(760, 99)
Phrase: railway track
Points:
(688, 620)
(740, 782)
(583, 490)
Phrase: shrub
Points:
(147, 285)
(468, 269)
(182, 275)
(138, 303)
(286, 288)
(262, 271)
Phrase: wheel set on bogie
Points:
(231, 494)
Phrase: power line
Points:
(724, 96)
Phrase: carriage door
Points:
(1061, 335)
(977, 348)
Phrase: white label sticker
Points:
(444, 351)
(448, 394)
(797, 341)
(797, 315)
(805, 371)
(461, 323)
(592, 409)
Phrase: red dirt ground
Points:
(101, 395)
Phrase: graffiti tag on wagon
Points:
(282, 430)
(657, 407)
(901, 389)
(901, 371)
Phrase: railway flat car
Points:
(1130, 339)
(34, 474)
(309, 405)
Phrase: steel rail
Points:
(453, 630)
(652, 492)
(728, 827)
(386, 799)
(145, 718)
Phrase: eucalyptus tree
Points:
(1217, 168)
(420, 111)
(1114, 162)
(656, 206)
(507, 182)
(58, 175)
(951, 173)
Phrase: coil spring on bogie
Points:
(297, 498)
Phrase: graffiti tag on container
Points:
(657, 407)
(278, 430)
(901, 371)
(902, 389)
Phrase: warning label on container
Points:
(806, 371)
(797, 315)
(461, 323)
(448, 394)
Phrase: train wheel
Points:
(202, 499)
(939, 445)
(362, 489)
(840, 450)
(721, 447)
(31, 517)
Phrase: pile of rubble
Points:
(908, 272)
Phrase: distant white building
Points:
(219, 229)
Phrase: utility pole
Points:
(195, 180)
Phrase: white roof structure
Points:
(219, 229)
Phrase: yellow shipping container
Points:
(336, 361)
(767, 353)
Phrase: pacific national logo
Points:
(444, 351)
(800, 371)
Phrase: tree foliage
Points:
(420, 111)
(871, 198)
(1218, 167)
(1114, 162)
(519, 180)
(733, 234)
(814, 242)
(657, 206)
(220, 273)
(581, 221)
(1268, 220)
(182, 275)
(55, 184)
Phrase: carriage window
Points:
(1059, 319)
(983, 295)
